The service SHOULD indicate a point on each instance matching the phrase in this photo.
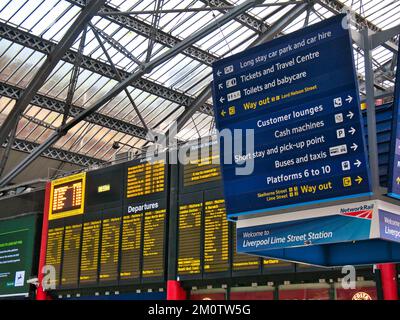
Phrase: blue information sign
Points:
(299, 94)
(394, 172)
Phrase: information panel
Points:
(17, 242)
(131, 247)
(190, 235)
(299, 94)
(67, 196)
(216, 237)
(145, 178)
(54, 248)
(71, 252)
(203, 166)
(394, 173)
(277, 266)
(154, 243)
(109, 254)
(89, 267)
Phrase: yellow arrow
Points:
(359, 179)
(223, 113)
(398, 180)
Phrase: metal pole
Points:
(185, 10)
(123, 84)
(119, 78)
(371, 119)
(47, 67)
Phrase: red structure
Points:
(389, 281)
(41, 294)
(175, 291)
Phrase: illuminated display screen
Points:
(145, 179)
(109, 256)
(203, 167)
(131, 247)
(275, 265)
(71, 251)
(17, 255)
(54, 253)
(90, 252)
(216, 237)
(189, 243)
(243, 262)
(67, 196)
(153, 243)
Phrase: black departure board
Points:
(154, 244)
(67, 196)
(190, 237)
(109, 255)
(302, 267)
(277, 266)
(216, 237)
(203, 167)
(145, 178)
(90, 252)
(242, 263)
(71, 251)
(54, 248)
(131, 247)
(105, 188)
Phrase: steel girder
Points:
(245, 19)
(52, 104)
(48, 65)
(45, 46)
(145, 29)
(56, 154)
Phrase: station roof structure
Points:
(59, 58)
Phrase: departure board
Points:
(90, 252)
(154, 243)
(145, 178)
(189, 238)
(67, 196)
(54, 253)
(109, 256)
(71, 251)
(131, 245)
(203, 167)
(216, 237)
(243, 262)
(275, 266)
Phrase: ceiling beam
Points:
(52, 104)
(48, 65)
(147, 30)
(336, 6)
(56, 154)
(45, 46)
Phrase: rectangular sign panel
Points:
(17, 238)
(394, 172)
(67, 196)
(190, 217)
(145, 178)
(299, 94)
(89, 265)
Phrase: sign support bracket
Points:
(371, 118)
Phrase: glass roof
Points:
(183, 76)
